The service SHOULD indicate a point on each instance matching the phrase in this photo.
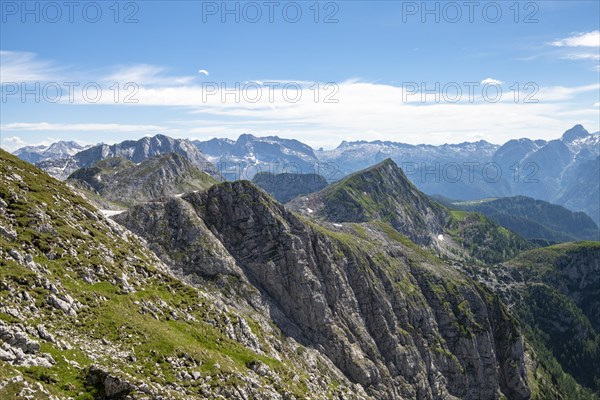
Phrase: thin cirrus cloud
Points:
(61, 127)
(19, 66)
(146, 75)
(583, 56)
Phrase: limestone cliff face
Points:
(386, 313)
(88, 311)
(554, 291)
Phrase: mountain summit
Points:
(576, 132)
(380, 192)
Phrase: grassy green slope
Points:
(123, 311)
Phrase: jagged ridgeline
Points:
(133, 150)
(383, 193)
(123, 182)
(87, 311)
(283, 306)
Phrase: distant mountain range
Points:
(554, 171)
(62, 149)
(133, 150)
(564, 171)
(249, 155)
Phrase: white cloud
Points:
(364, 110)
(586, 39)
(12, 143)
(147, 75)
(583, 56)
(47, 126)
(203, 72)
(491, 81)
(26, 67)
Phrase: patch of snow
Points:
(310, 211)
(110, 213)
(441, 237)
(338, 225)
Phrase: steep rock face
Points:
(135, 151)
(122, 181)
(378, 192)
(392, 321)
(285, 187)
(554, 291)
(88, 311)
(572, 268)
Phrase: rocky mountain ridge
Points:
(348, 293)
(282, 306)
(378, 192)
(135, 151)
(122, 182)
(88, 311)
(553, 171)
(61, 149)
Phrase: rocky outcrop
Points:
(554, 292)
(390, 320)
(123, 182)
(87, 309)
(18, 349)
(112, 387)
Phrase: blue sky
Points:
(376, 57)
